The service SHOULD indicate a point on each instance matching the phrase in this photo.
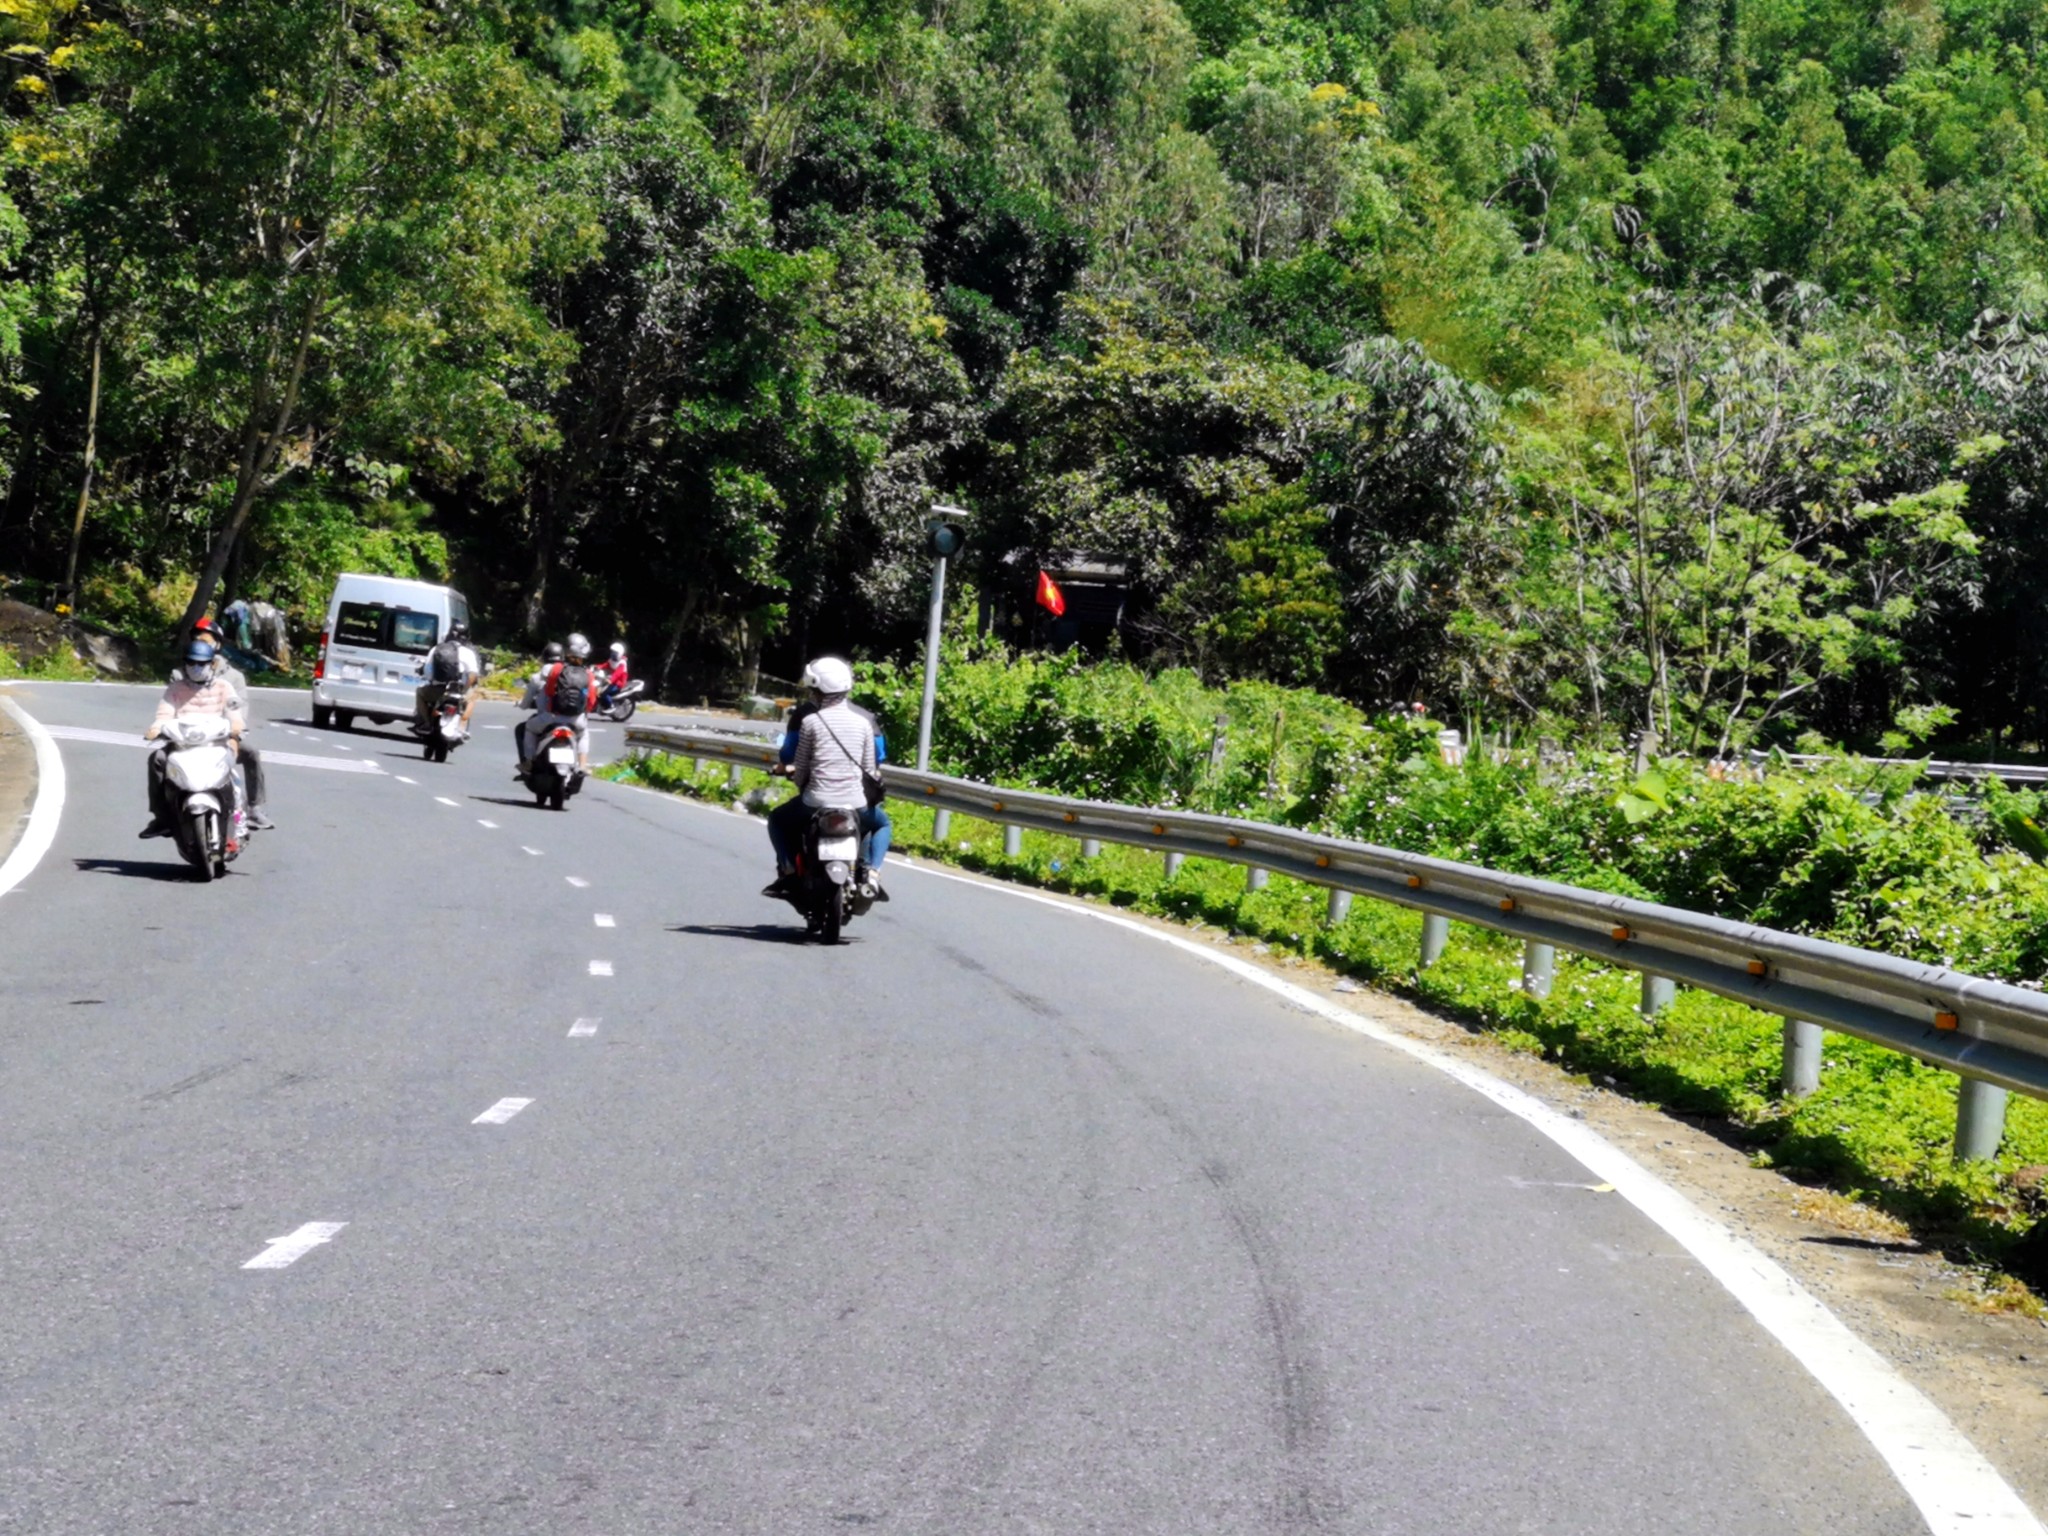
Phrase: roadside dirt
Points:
(1988, 1371)
(17, 781)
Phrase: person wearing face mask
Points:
(196, 690)
(252, 760)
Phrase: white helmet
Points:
(618, 650)
(829, 674)
(579, 648)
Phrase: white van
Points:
(379, 630)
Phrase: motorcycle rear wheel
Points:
(556, 797)
(622, 711)
(835, 915)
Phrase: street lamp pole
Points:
(946, 537)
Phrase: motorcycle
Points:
(619, 703)
(442, 731)
(201, 777)
(551, 774)
(829, 876)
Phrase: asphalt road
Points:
(996, 1219)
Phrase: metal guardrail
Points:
(1992, 1034)
(1936, 768)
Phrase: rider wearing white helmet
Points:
(826, 747)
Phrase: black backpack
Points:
(444, 663)
(569, 694)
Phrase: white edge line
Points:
(41, 830)
(1955, 1488)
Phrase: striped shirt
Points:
(185, 700)
(829, 769)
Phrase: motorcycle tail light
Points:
(839, 823)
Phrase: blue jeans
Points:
(786, 830)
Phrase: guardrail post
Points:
(942, 825)
(1254, 878)
(1800, 1074)
(1657, 994)
(1173, 864)
(1013, 842)
(1090, 847)
(1340, 907)
(1436, 933)
(1980, 1120)
(1539, 966)
(732, 775)
(696, 765)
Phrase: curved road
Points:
(993, 1220)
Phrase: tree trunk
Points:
(675, 642)
(68, 593)
(260, 446)
(533, 603)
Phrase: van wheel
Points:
(344, 719)
(323, 717)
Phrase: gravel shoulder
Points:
(1988, 1371)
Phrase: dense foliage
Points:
(1605, 364)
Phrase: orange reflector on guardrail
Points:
(1621, 935)
(1758, 968)
(1415, 882)
(1507, 903)
(1947, 1021)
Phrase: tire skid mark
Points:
(1308, 1500)
(996, 1447)
(197, 1079)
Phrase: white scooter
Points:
(201, 777)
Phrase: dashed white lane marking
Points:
(1957, 1490)
(282, 1252)
(578, 881)
(444, 800)
(491, 824)
(501, 1111)
(497, 727)
(604, 920)
(600, 967)
(404, 780)
(534, 851)
(581, 1028)
(339, 747)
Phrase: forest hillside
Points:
(1590, 363)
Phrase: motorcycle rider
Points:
(611, 675)
(830, 742)
(451, 662)
(196, 691)
(252, 760)
(555, 699)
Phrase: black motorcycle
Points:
(442, 729)
(552, 776)
(829, 876)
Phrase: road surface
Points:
(591, 1202)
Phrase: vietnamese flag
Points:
(1050, 597)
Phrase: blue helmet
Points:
(199, 656)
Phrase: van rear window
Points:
(377, 627)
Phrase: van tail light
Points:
(320, 665)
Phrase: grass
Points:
(1875, 1138)
(60, 666)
